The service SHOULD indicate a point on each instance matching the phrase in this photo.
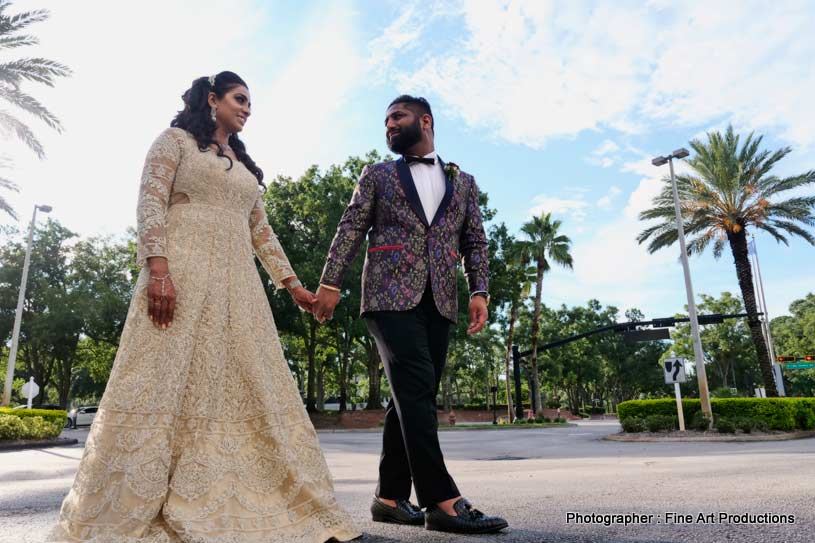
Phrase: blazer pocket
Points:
(386, 248)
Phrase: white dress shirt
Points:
(430, 184)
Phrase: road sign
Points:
(799, 365)
(674, 370)
(30, 389)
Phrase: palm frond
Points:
(40, 70)
(12, 42)
(9, 185)
(795, 230)
(779, 237)
(774, 185)
(17, 22)
(4, 205)
(10, 123)
(31, 105)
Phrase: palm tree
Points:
(543, 244)
(730, 189)
(13, 73)
(517, 261)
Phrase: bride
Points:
(201, 435)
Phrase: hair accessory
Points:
(212, 80)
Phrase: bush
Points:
(54, 415)
(35, 427)
(547, 419)
(725, 425)
(598, 410)
(722, 392)
(11, 427)
(633, 425)
(699, 422)
(773, 413)
(560, 420)
(745, 424)
(659, 423)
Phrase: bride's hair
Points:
(196, 118)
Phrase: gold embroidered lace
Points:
(201, 436)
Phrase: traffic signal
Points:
(809, 358)
(786, 359)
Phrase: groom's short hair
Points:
(417, 104)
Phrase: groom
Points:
(422, 218)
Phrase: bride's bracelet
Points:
(163, 281)
(293, 284)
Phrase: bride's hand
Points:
(303, 298)
(161, 294)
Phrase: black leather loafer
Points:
(404, 513)
(468, 521)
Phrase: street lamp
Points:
(701, 375)
(12, 356)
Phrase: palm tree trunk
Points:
(513, 315)
(536, 400)
(738, 245)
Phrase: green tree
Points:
(794, 335)
(727, 346)
(510, 285)
(730, 188)
(12, 75)
(544, 244)
(50, 326)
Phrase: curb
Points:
(478, 428)
(40, 444)
(722, 438)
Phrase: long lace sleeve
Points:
(154, 194)
(267, 246)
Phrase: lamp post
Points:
(699, 355)
(12, 356)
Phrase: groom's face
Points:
(403, 128)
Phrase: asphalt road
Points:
(534, 478)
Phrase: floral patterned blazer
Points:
(404, 248)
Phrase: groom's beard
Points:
(405, 139)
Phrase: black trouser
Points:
(413, 347)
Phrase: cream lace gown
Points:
(201, 435)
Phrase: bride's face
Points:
(233, 109)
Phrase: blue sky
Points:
(554, 106)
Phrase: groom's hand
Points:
(327, 300)
(478, 314)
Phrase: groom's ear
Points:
(427, 122)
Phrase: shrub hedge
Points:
(31, 423)
(785, 414)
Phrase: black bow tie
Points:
(420, 160)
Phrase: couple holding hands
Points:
(202, 435)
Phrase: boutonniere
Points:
(452, 170)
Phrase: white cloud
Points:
(531, 71)
(605, 202)
(571, 207)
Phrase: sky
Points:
(552, 106)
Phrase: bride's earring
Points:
(212, 111)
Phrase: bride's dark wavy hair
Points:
(196, 118)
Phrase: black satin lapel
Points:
(448, 194)
(410, 189)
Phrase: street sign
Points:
(674, 370)
(799, 365)
(30, 389)
(653, 334)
